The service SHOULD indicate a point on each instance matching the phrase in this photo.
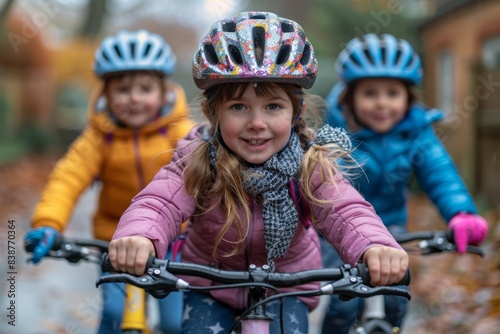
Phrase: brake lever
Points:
(475, 250)
(146, 282)
(118, 278)
(385, 290)
(70, 252)
(158, 282)
(353, 286)
(439, 244)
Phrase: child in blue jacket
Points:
(394, 140)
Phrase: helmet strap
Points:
(299, 112)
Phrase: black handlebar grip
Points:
(450, 236)
(151, 263)
(365, 276)
(106, 266)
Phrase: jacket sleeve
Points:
(159, 210)
(349, 223)
(438, 176)
(72, 174)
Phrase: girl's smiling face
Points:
(256, 127)
(380, 104)
(135, 99)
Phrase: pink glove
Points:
(469, 229)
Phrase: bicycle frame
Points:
(160, 280)
(134, 311)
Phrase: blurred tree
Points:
(96, 13)
(26, 84)
(336, 22)
(5, 9)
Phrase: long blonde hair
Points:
(223, 184)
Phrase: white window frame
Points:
(491, 53)
(445, 82)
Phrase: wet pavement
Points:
(53, 297)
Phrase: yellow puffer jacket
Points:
(123, 159)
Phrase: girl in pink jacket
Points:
(254, 179)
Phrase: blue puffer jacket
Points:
(389, 160)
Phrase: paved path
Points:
(54, 297)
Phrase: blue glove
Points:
(42, 239)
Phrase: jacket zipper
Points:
(242, 295)
(250, 234)
(138, 163)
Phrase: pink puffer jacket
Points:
(158, 211)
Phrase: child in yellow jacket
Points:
(136, 118)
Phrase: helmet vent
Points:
(118, 52)
(259, 41)
(132, 49)
(354, 59)
(283, 54)
(213, 33)
(105, 56)
(398, 56)
(383, 54)
(235, 54)
(229, 26)
(258, 17)
(287, 27)
(210, 54)
(306, 54)
(146, 50)
(159, 54)
(412, 62)
(368, 56)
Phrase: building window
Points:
(445, 82)
(491, 53)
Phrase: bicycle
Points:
(373, 319)
(75, 250)
(160, 280)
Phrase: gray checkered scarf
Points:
(270, 180)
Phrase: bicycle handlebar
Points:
(160, 279)
(73, 250)
(434, 242)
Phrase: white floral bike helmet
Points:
(134, 51)
(228, 52)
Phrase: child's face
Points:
(255, 128)
(380, 104)
(135, 99)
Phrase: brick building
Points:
(461, 55)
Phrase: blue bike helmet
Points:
(134, 51)
(374, 56)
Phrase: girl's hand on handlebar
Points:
(130, 254)
(387, 265)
